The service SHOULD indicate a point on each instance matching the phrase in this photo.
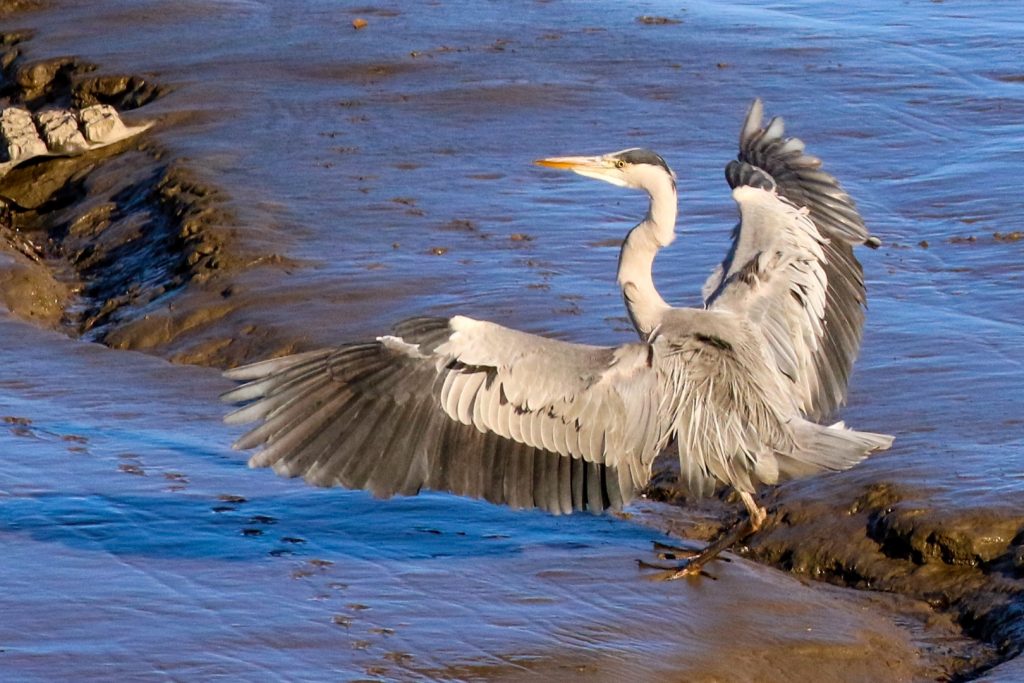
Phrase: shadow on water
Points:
(353, 525)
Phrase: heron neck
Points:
(636, 260)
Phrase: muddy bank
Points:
(866, 531)
(137, 248)
(969, 563)
(99, 245)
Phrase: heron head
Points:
(638, 168)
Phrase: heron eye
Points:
(619, 163)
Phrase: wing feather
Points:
(827, 280)
(434, 410)
(463, 406)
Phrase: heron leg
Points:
(694, 565)
(755, 512)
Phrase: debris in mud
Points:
(649, 20)
(1009, 78)
(8, 7)
(321, 564)
(262, 519)
(1003, 237)
(130, 468)
(232, 498)
(499, 45)
(459, 225)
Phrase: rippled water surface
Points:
(136, 547)
(136, 544)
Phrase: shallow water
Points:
(358, 153)
(137, 546)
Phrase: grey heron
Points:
(474, 408)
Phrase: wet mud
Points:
(967, 563)
(871, 533)
(151, 246)
(98, 244)
(96, 234)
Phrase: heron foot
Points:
(694, 566)
(671, 572)
(673, 552)
(692, 563)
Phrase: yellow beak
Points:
(574, 163)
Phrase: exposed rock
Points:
(47, 80)
(19, 139)
(101, 123)
(59, 128)
(58, 132)
(122, 91)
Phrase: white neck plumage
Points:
(636, 260)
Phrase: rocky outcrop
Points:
(25, 136)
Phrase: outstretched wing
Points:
(791, 267)
(463, 406)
